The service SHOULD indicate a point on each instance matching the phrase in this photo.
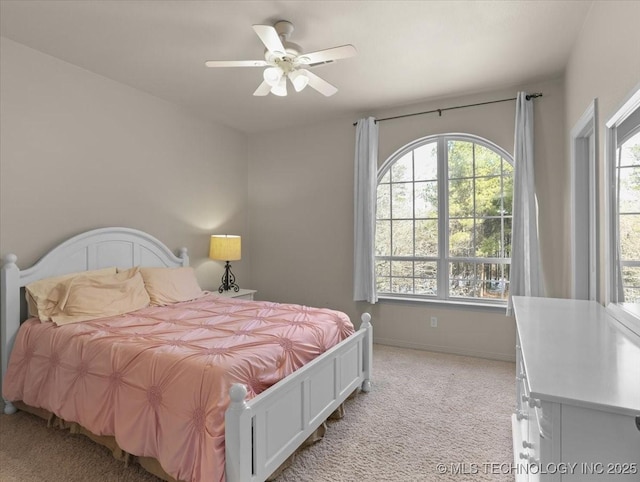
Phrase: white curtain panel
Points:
(526, 270)
(366, 181)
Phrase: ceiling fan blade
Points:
(335, 53)
(236, 63)
(270, 38)
(263, 89)
(321, 85)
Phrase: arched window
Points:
(443, 223)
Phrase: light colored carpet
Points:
(425, 409)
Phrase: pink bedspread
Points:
(158, 379)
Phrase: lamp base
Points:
(228, 280)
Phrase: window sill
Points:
(449, 304)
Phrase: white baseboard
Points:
(446, 349)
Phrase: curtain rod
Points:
(440, 111)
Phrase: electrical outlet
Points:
(434, 322)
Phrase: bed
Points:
(262, 427)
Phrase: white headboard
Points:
(99, 248)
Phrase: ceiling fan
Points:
(284, 60)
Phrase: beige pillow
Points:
(171, 285)
(37, 293)
(85, 298)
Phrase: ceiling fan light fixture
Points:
(273, 76)
(299, 80)
(280, 89)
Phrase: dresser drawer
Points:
(528, 451)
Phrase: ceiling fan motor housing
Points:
(284, 28)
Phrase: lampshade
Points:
(280, 88)
(225, 247)
(299, 80)
(272, 75)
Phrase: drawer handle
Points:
(532, 402)
(524, 456)
(521, 416)
(527, 445)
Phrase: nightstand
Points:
(242, 294)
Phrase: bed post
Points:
(184, 256)
(9, 313)
(367, 356)
(238, 436)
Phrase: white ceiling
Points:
(408, 51)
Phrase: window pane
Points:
(383, 267)
(630, 152)
(426, 199)
(383, 238)
(425, 160)
(462, 279)
(493, 290)
(507, 168)
(493, 281)
(461, 198)
(488, 162)
(402, 200)
(631, 283)
(488, 196)
(631, 276)
(462, 288)
(427, 237)
(507, 238)
(630, 236)
(632, 295)
(489, 242)
(386, 178)
(402, 268)
(461, 238)
(426, 269)
(383, 285)
(402, 232)
(462, 270)
(460, 159)
(629, 189)
(383, 208)
(402, 169)
(426, 287)
(402, 285)
(507, 188)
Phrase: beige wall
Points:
(301, 217)
(79, 151)
(604, 64)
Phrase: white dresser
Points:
(577, 393)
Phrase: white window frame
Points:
(629, 106)
(584, 206)
(443, 257)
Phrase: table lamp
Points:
(225, 247)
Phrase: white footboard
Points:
(263, 432)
